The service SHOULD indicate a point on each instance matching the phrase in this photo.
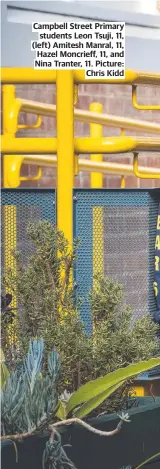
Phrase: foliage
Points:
(4, 373)
(54, 456)
(47, 309)
(47, 304)
(29, 397)
(93, 393)
(118, 340)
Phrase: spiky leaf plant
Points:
(29, 398)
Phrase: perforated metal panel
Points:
(117, 236)
(116, 231)
(19, 207)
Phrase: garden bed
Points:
(136, 442)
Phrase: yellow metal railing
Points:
(140, 173)
(145, 107)
(65, 146)
(16, 105)
(82, 145)
(15, 163)
(29, 75)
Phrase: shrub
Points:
(118, 341)
(47, 309)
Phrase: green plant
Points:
(149, 460)
(4, 373)
(118, 341)
(29, 398)
(29, 402)
(92, 394)
(48, 309)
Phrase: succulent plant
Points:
(29, 397)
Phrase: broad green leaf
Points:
(61, 413)
(90, 405)
(4, 373)
(99, 385)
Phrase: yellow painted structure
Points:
(13, 176)
(82, 145)
(96, 132)
(140, 173)
(29, 75)
(16, 105)
(65, 152)
(65, 143)
(145, 107)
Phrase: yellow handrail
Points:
(44, 109)
(65, 146)
(29, 75)
(32, 178)
(120, 144)
(140, 173)
(106, 145)
(16, 105)
(131, 78)
(145, 107)
(15, 163)
(32, 126)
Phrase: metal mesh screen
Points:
(126, 240)
(19, 207)
(117, 236)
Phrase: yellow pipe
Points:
(15, 162)
(28, 145)
(115, 144)
(141, 174)
(32, 178)
(11, 110)
(123, 183)
(33, 126)
(29, 75)
(65, 152)
(116, 121)
(131, 77)
(81, 145)
(44, 109)
(145, 107)
(96, 132)
(12, 171)
(112, 168)
(75, 94)
(15, 105)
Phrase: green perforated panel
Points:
(117, 237)
(19, 207)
